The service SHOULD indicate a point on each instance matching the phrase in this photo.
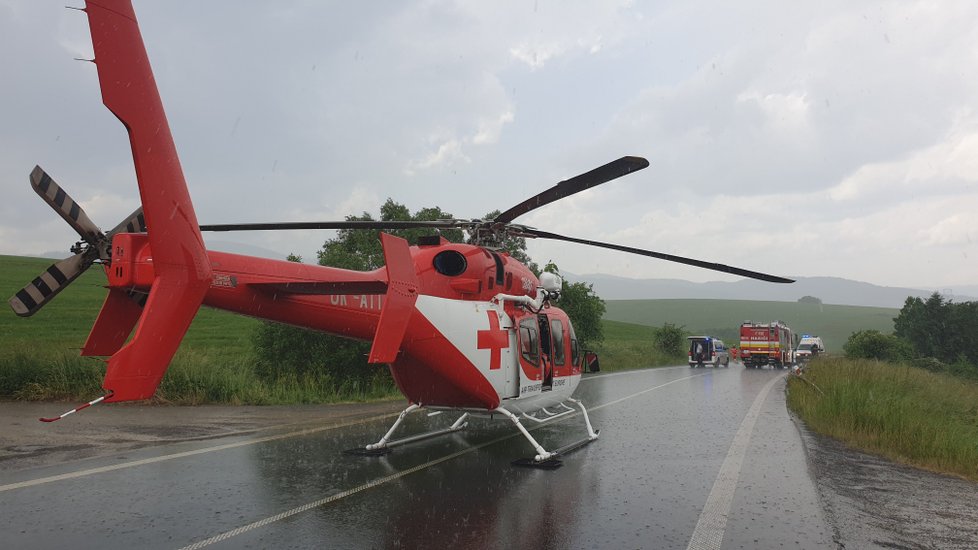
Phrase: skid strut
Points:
(544, 459)
(385, 444)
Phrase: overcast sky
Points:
(831, 138)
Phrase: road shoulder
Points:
(872, 502)
(109, 429)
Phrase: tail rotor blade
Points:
(133, 223)
(48, 284)
(65, 206)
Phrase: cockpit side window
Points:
(529, 343)
(557, 336)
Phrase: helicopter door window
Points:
(575, 347)
(529, 345)
(546, 347)
(557, 334)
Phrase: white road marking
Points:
(708, 534)
(752, 416)
(380, 481)
(635, 371)
(134, 463)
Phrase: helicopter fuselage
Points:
(464, 344)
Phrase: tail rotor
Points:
(94, 247)
(65, 206)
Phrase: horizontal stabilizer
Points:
(323, 287)
(120, 312)
(136, 370)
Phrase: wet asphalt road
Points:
(686, 458)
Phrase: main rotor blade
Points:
(662, 256)
(65, 206)
(612, 170)
(48, 284)
(356, 224)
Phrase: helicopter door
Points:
(529, 344)
(547, 355)
(559, 346)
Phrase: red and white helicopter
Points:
(463, 327)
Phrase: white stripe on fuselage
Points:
(460, 321)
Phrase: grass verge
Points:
(628, 346)
(194, 378)
(904, 413)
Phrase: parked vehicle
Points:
(707, 350)
(766, 344)
(809, 347)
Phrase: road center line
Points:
(380, 481)
(708, 534)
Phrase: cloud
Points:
(448, 153)
(844, 130)
(490, 130)
(949, 166)
(452, 151)
(536, 55)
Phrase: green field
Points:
(64, 323)
(215, 363)
(219, 344)
(722, 318)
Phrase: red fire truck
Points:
(766, 344)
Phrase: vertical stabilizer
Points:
(182, 272)
(402, 293)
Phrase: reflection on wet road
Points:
(686, 458)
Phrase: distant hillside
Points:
(830, 290)
(722, 318)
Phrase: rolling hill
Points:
(722, 318)
(831, 290)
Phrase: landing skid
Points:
(547, 460)
(550, 460)
(385, 444)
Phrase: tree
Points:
(360, 248)
(940, 329)
(809, 300)
(584, 308)
(284, 350)
(924, 325)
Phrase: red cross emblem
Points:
(493, 339)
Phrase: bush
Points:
(287, 351)
(873, 344)
(669, 339)
(929, 364)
